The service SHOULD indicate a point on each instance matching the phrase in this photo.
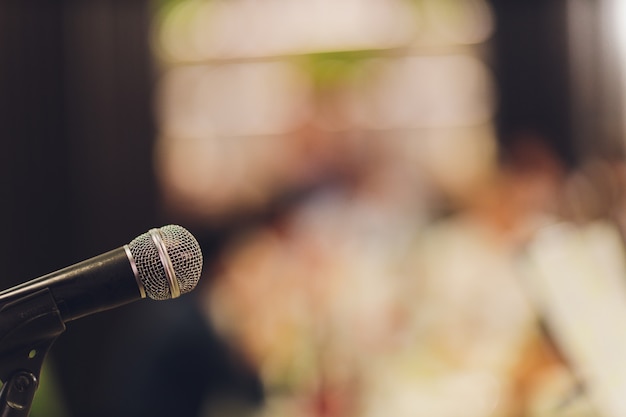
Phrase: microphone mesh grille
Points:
(184, 253)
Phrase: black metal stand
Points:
(28, 328)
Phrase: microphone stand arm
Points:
(28, 328)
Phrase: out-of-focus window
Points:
(248, 88)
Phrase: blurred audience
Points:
(364, 302)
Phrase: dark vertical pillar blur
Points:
(33, 147)
(111, 128)
(76, 138)
(531, 65)
(110, 134)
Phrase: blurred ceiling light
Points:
(258, 98)
(616, 16)
(459, 21)
(424, 91)
(616, 12)
(219, 29)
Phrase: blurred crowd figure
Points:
(375, 297)
(370, 295)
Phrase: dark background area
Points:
(76, 131)
(76, 135)
(531, 68)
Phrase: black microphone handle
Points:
(100, 283)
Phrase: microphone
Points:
(161, 264)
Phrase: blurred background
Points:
(406, 207)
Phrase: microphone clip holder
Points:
(28, 328)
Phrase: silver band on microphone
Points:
(166, 261)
